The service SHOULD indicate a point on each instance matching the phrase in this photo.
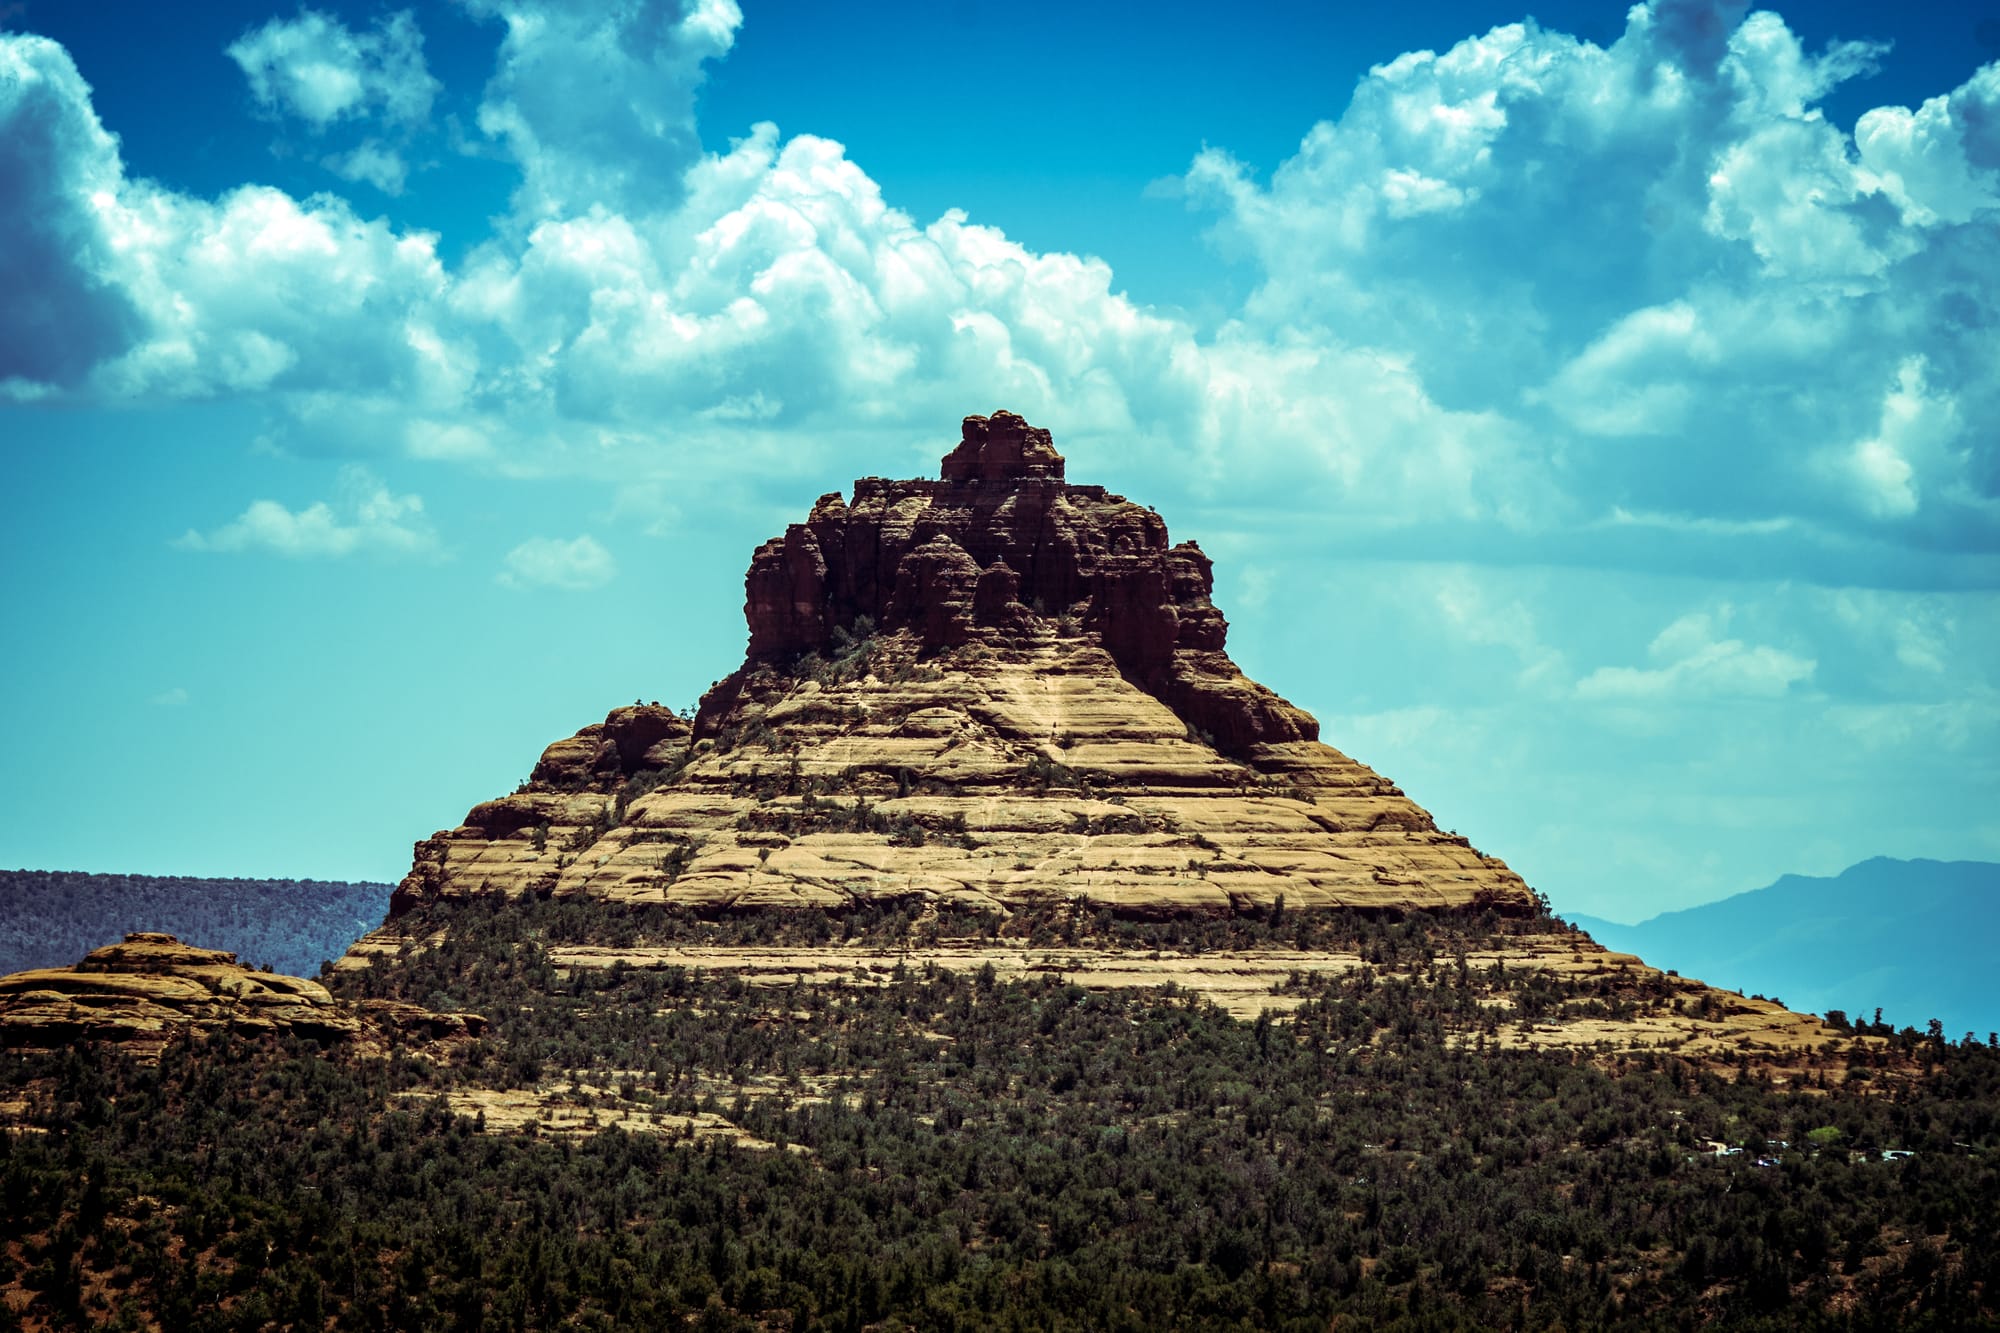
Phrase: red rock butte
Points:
(993, 700)
(998, 551)
(993, 689)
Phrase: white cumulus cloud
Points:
(367, 518)
(1941, 162)
(1658, 258)
(373, 162)
(595, 101)
(68, 308)
(316, 68)
(550, 562)
(1694, 660)
(1674, 290)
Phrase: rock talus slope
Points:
(995, 689)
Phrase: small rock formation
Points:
(1002, 448)
(605, 754)
(996, 689)
(143, 992)
(575, 785)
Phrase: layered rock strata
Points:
(995, 689)
(150, 988)
(1658, 1012)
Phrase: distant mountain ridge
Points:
(51, 918)
(1917, 938)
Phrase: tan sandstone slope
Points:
(150, 988)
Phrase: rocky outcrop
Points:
(150, 988)
(628, 741)
(577, 784)
(1002, 448)
(1002, 550)
(996, 689)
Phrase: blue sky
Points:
(1592, 415)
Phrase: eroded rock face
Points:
(996, 689)
(149, 988)
(981, 777)
(1003, 551)
(630, 740)
(576, 783)
(1002, 448)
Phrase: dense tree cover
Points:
(957, 1152)
(1380, 936)
(51, 918)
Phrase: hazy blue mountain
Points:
(1921, 939)
(51, 918)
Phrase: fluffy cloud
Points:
(367, 518)
(1693, 659)
(1665, 268)
(67, 307)
(665, 310)
(550, 562)
(316, 68)
(372, 162)
(1941, 162)
(1663, 263)
(121, 290)
(595, 101)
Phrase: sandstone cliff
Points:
(995, 689)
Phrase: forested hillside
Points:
(51, 918)
(938, 1150)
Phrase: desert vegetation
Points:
(947, 1150)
